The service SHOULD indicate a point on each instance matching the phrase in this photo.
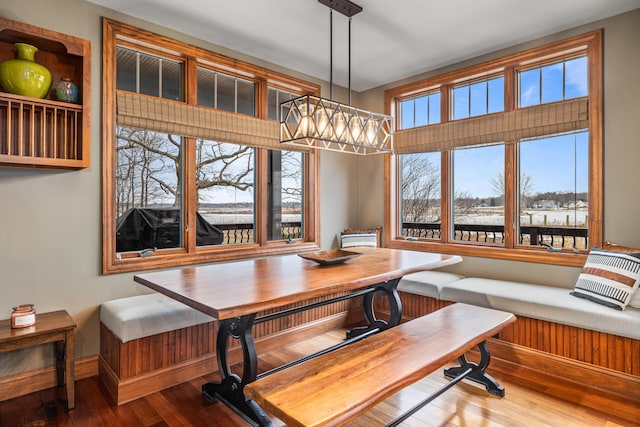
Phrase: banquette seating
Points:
(556, 334)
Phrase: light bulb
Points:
(355, 130)
(370, 132)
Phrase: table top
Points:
(45, 323)
(227, 290)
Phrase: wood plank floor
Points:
(465, 405)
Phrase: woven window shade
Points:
(176, 118)
(530, 122)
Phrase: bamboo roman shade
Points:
(176, 118)
(512, 126)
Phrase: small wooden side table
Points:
(54, 327)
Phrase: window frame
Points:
(116, 33)
(589, 44)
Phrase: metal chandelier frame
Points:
(320, 123)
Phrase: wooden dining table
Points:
(235, 293)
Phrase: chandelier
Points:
(321, 123)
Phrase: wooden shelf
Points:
(45, 133)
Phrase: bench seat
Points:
(428, 283)
(151, 342)
(541, 302)
(336, 387)
(145, 315)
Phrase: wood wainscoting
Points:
(604, 367)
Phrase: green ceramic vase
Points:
(23, 76)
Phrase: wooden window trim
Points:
(589, 43)
(116, 33)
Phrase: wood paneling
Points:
(599, 362)
(597, 348)
(147, 354)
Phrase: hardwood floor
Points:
(465, 405)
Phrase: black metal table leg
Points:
(389, 289)
(231, 389)
(477, 373)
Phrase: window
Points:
(148, 189)
(148, 74)
(420, 111)
(554, 191)
(226, 92)
(174, 195)
(420, 195)
(515, 171)
(285, 182)
(553, 82)
(478, 98)
(478, 206)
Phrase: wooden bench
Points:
(338, 386)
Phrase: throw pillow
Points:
(609, 278)
(378, 231)
(353, 239)
(635, 298)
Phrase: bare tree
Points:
(464, 203)
(221, 164)
(526, 188)
(420, 189)
(291, 177)
(143, 160)
(148, 167)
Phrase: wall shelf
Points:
(45, 133)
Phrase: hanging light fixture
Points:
(322, 123)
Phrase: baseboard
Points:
(41, 379)
(123, 391)
(133, 388)
(567, 379)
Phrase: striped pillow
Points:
(609, 246)
(609, 278)
(349, 240)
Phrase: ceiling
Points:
(390, 39)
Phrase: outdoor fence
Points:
(559, 237)
(243, 233)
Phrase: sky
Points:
(554, 164)
(550, 162)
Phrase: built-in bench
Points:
(151, 342)
(541, 302)
(555, 333)
(336, 387)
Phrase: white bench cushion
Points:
(545, 303)
(145, 315)
(427, 283)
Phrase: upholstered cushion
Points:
(428, 283)
(349, 240)
(635, 298)
(377, 230)
(609, 278)
(545, 303)
(145, 315)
